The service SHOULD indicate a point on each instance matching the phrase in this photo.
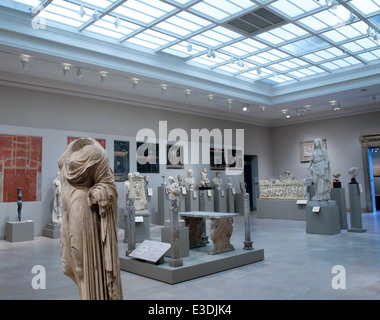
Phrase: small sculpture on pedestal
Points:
(229, 183)
(56, 215)
(218, 181)
(353, 172)
(205, 181)
(19, 203)
(135, 186)
(173, 193)
(189, 180)
(243, 187)
(336, 182)
(319, 166)
(180, 181)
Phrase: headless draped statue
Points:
(89, 242)
(319, 166)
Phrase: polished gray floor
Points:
(296, 266)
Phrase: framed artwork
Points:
(148, 167)
(239, 163)
(101, 141)
(217, 159)
(307, 148)
(20, 167)
(121, 160)
(172, 157)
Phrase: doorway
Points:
(374, 173)
(251, 179)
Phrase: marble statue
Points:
(336, 182)
(146, 180)
(56, 215)
(353, 172)
(19, 203)
(189, 180)
(320, 168)
(218, 181)
(229, 182)
(135, 186)
(205, 181)
(173, 190)
(243, 187)
(89, 239)
(180, 181)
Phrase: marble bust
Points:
(217, 181)
(180, 181)
(189, 180)
(336, 182)
(320, 168)
(229, 182)
(353, 172)
(205, 181)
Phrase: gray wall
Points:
(54, 117)
(343, 145)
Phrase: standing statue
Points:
(320, 168)
(173, 191)
(56, 215)
(19, 203)
(189, 180)
(89, 239)
(218, 180)
(205, 181)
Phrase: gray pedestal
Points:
(355, 208)
(326, 221)
(311, 191)
(181, 207)
(52, 231)
(142, 229)
(280, 209)
(183, 240)
(242, 203)
(208, 200)
(230, 200)
(339, 196)
(16, 231)
(220, 201)
(191, 201)
(163, 205)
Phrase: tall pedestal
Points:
(206, 200)
(17, 231)
(52, 230)
(311, 191)
(355, 208)
(322, 217)
(242, 203)
(182, 203)
(339, 196)
(220, 201)
(191, 201)
(163, 205)
(230, 200)
(183, 238)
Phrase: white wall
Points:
(343, 145)
(54, 117)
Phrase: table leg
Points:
(220, 234)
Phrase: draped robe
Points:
(89, 242)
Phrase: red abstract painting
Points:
(101, 141)
(20, 167)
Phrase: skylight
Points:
(291, 40)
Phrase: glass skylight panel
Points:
(234, 50)
(98, 3)
(367, 43)
(287, 8)
(215, 37)
(208, 10)
(181, 2)
(203, 60)
(324, 54)
(368, 56)
(306, 5)
(297, 74)
(307, 71)
(269, 37)
(279, 67)
(350, 31)
(316, 69)
(106, 26)
(180, 49)
(229, 68)
(313, 57)
(313, 23)
(295, 30)
(341, 63)
(353, 61)
(151, 39)
(328, 17)
(32, 3)
(303, 46)
(289, 64)
(334, 36)
(298, 61)
(250, 75)
(258, 59)
(330, 66)
(268, 56)
(281, 78)
(366, 7)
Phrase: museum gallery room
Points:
(212, 150)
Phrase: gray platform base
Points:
(16, 231)
(280, 209)
(326, 221)
(183, 241)
(52, 231)
(198, 264)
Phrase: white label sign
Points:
(150, 192)
(183, 190)
(139, 219)
(194, 194)
(209, 193)
(233, 191)
(316, 209)
(301, 201)
(360, 188)
(222, 193)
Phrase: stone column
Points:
(247, 225)
(131, 222)
(175, 261)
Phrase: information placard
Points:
(150, 250)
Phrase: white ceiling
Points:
(356, 88)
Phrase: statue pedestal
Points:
(338, 195)
(191, 201)
(325, 221)
(355, 208)
(163, 205)
(52, 230)
(220, 201)
(242, 203)
(181, 207)
(183, 239)
(17, 231)
(230, 201)
(206, 200)
(142, 226)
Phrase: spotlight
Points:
(229, 103)
(211, 53)
(232, 60)
(95, 15)
(285, 113)
(81, 12)
(263, 108)
(117, 23)
(135, 82)
(245, 107)
(187, 92)
(164, 87)
(210, 98)
(25, 59)
(258, 70)
(240, 63)
(103, 77)
(351, 18)
(189, 47)
(335, 105)
(66, 70)
(79, 73)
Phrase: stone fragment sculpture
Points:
(89, 239)
(189, 180)
(205, 181)
(135, 186)
(56, 215)
(320, 168)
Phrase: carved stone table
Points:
(220, 229)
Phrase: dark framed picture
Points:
(217, 159)
(148, 160)
(174, 157)
(121, 160)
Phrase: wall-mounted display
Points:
(307, 148)
(149, 166)
(101, 141)
(121, 160)
(20, 167)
